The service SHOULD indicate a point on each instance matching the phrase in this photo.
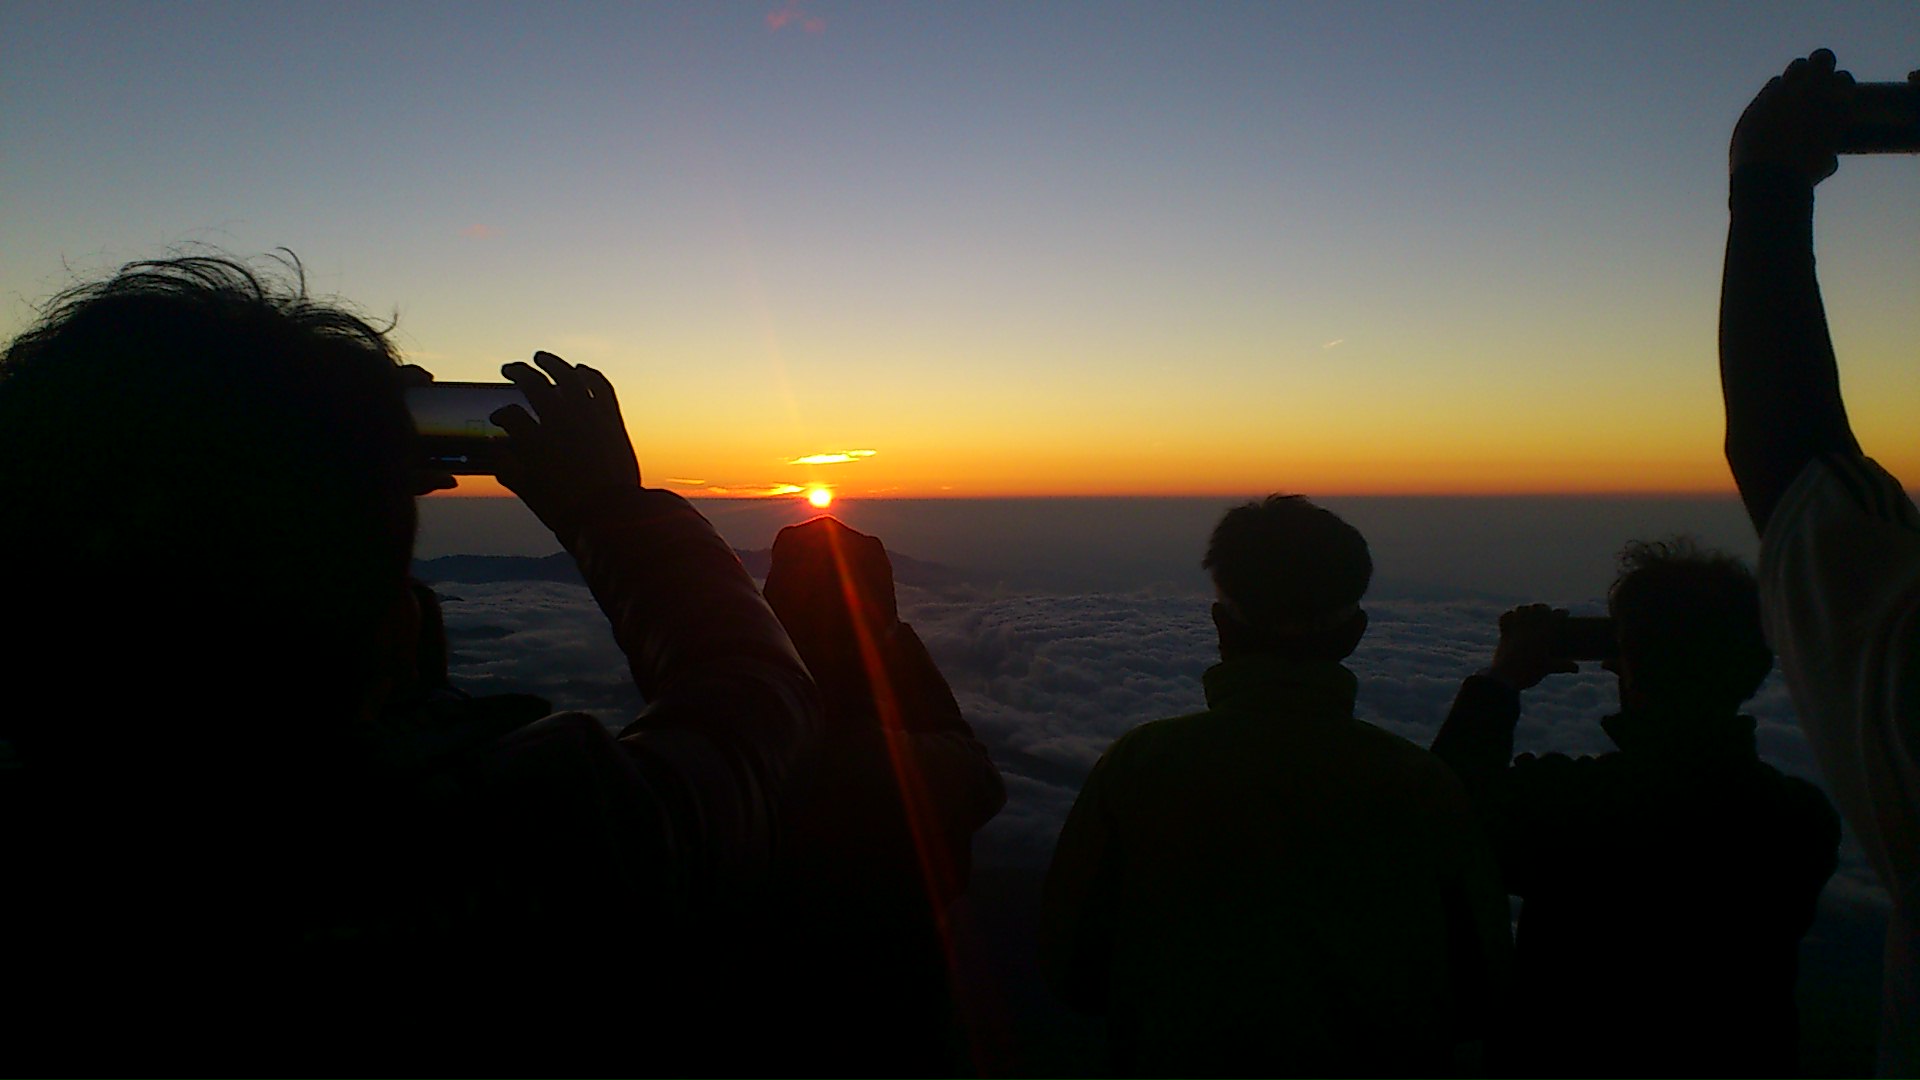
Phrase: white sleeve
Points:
(1840, 592)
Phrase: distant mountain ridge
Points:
(474, 569)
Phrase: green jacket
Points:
(1271, 886)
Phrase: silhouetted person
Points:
(1271, 887)
(1839, 538)
(1667, 884)
(219, 858)
(880, 823)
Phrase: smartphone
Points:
(1586, 638)
(452, 419)
(1882, 118)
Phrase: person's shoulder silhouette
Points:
(1271, 886)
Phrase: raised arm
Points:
(729, 702)
(1523, 805)
(1477, 737)
(1777, 368)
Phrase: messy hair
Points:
(1688, 620)
(203, 466)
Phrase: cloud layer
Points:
(1049, 681)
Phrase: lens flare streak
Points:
(938, 870)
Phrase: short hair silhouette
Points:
(830, 580)
(832, 588)
(1286, 564)
(1688, 620)
(222, 463)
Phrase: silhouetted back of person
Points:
(1666, 884)
(880, 821)
(1271, 887)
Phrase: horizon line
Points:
(1535, 493)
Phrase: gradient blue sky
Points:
(1013, 248)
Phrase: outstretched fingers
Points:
(580, 390)
(566, 377)
(601, 390)
(571, 447)
(539, 389)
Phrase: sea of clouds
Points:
(1049, 680)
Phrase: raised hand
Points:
(1794, 122)
(1525, 654)
(573, 450)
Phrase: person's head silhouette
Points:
(832, 587)
(209, 484)
(1688, 622)
(1288, 577)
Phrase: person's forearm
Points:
(673, 590)
(1477, 738)
(1777, 369)
(729, 702)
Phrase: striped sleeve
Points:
(1840, 593)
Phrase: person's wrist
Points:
(1505, 675)
(1768, 176)
(1769, 189)
(579, 507)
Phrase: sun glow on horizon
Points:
(820, 497)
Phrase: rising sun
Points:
(820, 497)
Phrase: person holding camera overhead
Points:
(1665, 885)
(1839, 537)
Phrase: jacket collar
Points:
(1274, 683)
(1649, 731)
